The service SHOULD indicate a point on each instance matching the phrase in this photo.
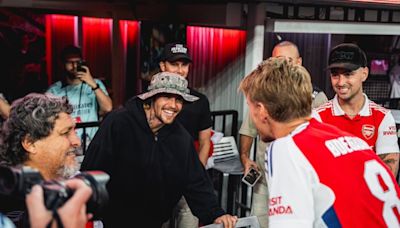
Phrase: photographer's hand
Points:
(72, 213)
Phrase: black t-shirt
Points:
(196, 116)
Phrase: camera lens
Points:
(8, 181)
(97, 180)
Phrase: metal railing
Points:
(84, 126)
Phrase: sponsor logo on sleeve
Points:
(390, 131)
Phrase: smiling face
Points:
(348, 84)
(164, 109)
(54, 155)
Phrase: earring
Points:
(146, 106)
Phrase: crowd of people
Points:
(318, 158)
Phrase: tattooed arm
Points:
(392, 161)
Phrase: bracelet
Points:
(97, 86)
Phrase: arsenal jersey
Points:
(321, 176)
(373, 123)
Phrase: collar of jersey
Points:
(299, 128)
(338, 111)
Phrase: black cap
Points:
(347, 56)
(174, 51)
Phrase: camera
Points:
(79, 66)
(19, 182)
(251, 177)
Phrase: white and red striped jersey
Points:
(374, 124)
(321, 176)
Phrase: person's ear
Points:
(28, 145)
(300, 61)
(262, 110)
(162, 66)
(365, 72)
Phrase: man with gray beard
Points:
(39, 133)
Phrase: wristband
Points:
(97, 86)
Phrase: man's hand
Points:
(247, 164)
(228, 221)
(86, 77)
(104, 101)
(72, 213)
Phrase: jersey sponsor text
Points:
(276, 207)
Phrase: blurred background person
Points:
(87, 95)
(395, 78)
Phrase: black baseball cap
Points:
(347, 56)
(175, 51)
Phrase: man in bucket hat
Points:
(352, 111)
(151, 160)
(195, 118)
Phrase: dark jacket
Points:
(149, 174)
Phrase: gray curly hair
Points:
(31, 117)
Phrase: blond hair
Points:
(282, 87)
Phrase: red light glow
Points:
(213, 49)
(129, 32)
(61, 30)
(97, 44)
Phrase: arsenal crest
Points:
(368, 131)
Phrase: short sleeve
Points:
(386, 141)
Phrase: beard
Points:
(70, 75)
(69, 169)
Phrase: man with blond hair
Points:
(313, 168)
(248, 132)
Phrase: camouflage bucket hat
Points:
(166, 82)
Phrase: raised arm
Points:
(105, 102)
